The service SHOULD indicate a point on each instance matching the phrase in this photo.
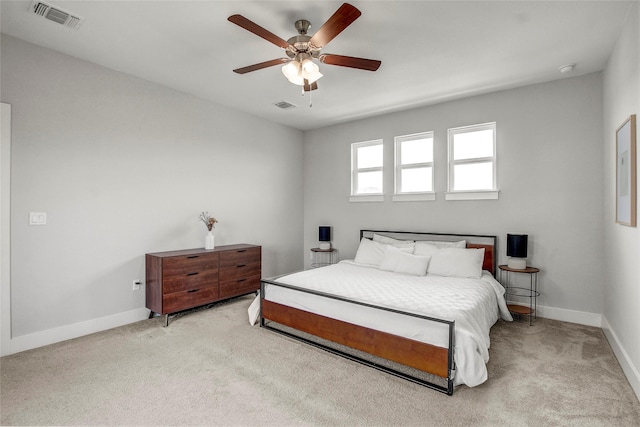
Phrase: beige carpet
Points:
(212, 368)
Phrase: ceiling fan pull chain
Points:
(310, 103)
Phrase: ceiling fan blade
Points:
(350, 61)
(258, 30)
(261, 65)
(309, 87)
(341, 19)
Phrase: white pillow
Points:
(371, 253)
(424, 248)
(394, 242)
(429, 247)
(398, 261)
(457, 262)
(254, 310)
(442, 244)
(390, 258)
(388, 240)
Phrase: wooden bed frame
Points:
(424, 357)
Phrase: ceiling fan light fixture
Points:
(311, 77)
(310, 71)
(298, 80)
(298, 70)
(291, 69)
(309, 67)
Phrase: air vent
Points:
(284, 105)
(55, 14)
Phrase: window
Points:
(472, 162)
(414, 167)
(366, 171)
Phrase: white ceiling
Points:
(431, 51)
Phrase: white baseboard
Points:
(564, 315)
(67, 332)
(629, 369)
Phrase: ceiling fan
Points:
(302, 49)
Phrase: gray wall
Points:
(550, 174)
(622, 254)
(123, 167)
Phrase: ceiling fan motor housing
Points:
(300, 44)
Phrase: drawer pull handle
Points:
(241, 280)
(242, 250)
(190, 291)
(192, 274)
(194, 256)
(241, 265)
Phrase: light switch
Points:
(37, 218)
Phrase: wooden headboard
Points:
(489, 243)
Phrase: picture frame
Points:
(626, 172)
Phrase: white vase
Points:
(209, 241)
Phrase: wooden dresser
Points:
(180, 280)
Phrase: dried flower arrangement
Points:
(208, 220)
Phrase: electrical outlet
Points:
(136, 285)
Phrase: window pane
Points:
(369, 182)
(470, 145)
(370, 156)
(416, 180)
(416, 151)
(474, 176)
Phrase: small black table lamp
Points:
(517, 251)
(324, 235)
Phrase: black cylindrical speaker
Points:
(517, 245)
(324, 233)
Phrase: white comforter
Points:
(474, 304)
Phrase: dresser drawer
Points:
(181, 265)
(178, 301)
(246, 285)
(240, 271)
(236, 257)
(188, 281)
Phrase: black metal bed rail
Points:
(451, 326)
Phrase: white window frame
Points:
(365, 197)
(491, 194)
(400, 196)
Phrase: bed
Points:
(416, 305)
